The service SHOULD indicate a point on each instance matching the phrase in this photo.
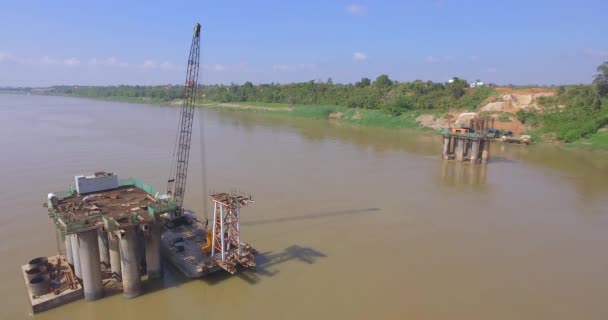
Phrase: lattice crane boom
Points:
(176, 185)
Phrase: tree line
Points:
(382, 93)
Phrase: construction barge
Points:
(119, 230)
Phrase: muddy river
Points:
(351, 223)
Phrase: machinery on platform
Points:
(186, 240)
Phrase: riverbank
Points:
(503, 108)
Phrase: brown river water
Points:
(351, 223)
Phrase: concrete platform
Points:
(57, 297)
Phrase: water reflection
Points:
(586, 170)
(462, 175)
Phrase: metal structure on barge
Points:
(118, 230)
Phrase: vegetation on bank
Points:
(575, 113)
(383, 94)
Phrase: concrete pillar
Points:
(68, 249)
(446, 147)
(474, 151)
(131, 281)
(153, 262)
(460, 149)
(90, 268)
(485, 153)
(104, 250)
(452, 149)
(141, 249)
(114, 248)
(76, 255)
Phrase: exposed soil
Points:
(508, 103)
(335, 116)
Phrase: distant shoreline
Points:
(338, 114)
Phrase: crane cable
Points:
(173, 159)
(201, 127)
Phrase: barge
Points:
(112, 230)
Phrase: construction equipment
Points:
(176, 185)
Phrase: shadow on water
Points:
(310, 216)
(266, 260)
(266, 267)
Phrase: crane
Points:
(176, 185)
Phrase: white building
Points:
(476, 83)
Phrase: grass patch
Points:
(596, 141)
(262, 104)
(504, 117)
(354, 116)
(314, 111)
(474, 97)
(535, 135)
(378, 118)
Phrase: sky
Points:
(45, 43)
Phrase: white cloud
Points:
(599, 53)
(432, 59)
(356, 9)
(71, 62)
(436, 59)
(359, 56)
(217, 67)
(293, 67)
(168, 66)
(149, 64)
(280, 67)
(108, 62)
(45, 60)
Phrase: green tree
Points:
(365, 82)
(601, 80)
(457, 87)
(383, 81)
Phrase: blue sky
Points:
(146, 42)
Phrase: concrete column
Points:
(76, 255)
(141, 248)
(68, 249)
(460, 149)
(114, 248)
(91, 270)
(131, 282)
(485, 153)
(446, 147)
(104, 250)
(474, 151)
(153, 262)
